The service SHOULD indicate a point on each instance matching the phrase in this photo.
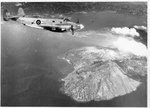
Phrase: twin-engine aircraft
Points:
(51, 24)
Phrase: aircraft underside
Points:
(55, 29)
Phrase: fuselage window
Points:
(53, 21)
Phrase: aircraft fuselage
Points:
(55, 25)
(51, 24)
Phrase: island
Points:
(102, 73)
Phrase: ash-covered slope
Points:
(102, 74)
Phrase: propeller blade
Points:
(78, 21)
(73, 32)
(72, 29)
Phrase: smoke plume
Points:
(131, 46)
(125, 31)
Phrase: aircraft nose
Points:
(81, 26)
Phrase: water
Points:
(31, 70)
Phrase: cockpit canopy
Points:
(66, 19)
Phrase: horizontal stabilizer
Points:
(21, 12)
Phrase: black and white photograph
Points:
(74, 54)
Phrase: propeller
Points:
(78, 21)
(72, 29)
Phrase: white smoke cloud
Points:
(140, 27)
(125, 31)
(126, 45)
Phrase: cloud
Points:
(131, 46)
(125, 31)
(140, 27)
